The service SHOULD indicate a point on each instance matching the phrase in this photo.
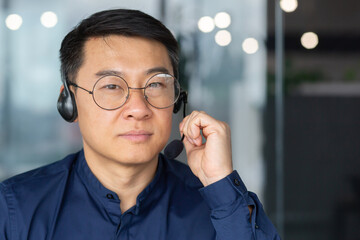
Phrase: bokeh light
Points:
(206, 24)
(288, 5)
(48, 19)
(309, 40)
(223, 38)
(222, 20)
(250, 45)
(13, 21)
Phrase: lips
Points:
(136, 135)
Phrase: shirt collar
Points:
(105, 194)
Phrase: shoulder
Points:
(39, 176)
(36, 192)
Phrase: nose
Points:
(136, 106)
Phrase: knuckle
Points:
(225, 127)
(194, 112)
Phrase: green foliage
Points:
(293, 78)
(350, 75)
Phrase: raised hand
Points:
(210, 160)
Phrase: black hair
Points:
(124, 22)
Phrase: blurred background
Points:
(284, 74)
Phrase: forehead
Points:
(128, 55)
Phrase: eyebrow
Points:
(108, 72)
(157, 70)
(119, 73)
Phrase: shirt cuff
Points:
(225, 191)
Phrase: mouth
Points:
(136, 136)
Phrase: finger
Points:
(182, 124)
(210, 125)
(191, 133)
(183, 129)
(202, 121)
(202, 124)
(188, 143)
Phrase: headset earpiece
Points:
(66, 104)
(182, 99)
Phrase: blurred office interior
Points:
(284, 74)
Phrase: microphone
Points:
(174, 148)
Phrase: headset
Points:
(66, 103)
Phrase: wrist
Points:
(207, 180)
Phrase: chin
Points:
(136, 155)
(134, 160)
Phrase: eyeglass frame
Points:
(128, 91)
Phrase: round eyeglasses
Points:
(111, 92)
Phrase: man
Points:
(119, 70)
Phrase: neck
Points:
(126, 180)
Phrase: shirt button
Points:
(237, 182)
(109, 196)
(256, 226)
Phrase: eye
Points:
(155, 85)
(112, 86)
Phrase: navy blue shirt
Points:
(64, 200)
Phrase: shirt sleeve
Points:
(228, 200)
(4, 215)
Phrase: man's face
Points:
(136, 132)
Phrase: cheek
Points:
(165, 122)
(92, 120)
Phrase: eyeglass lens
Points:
(111, 92)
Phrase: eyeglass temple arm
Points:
(75, 85)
